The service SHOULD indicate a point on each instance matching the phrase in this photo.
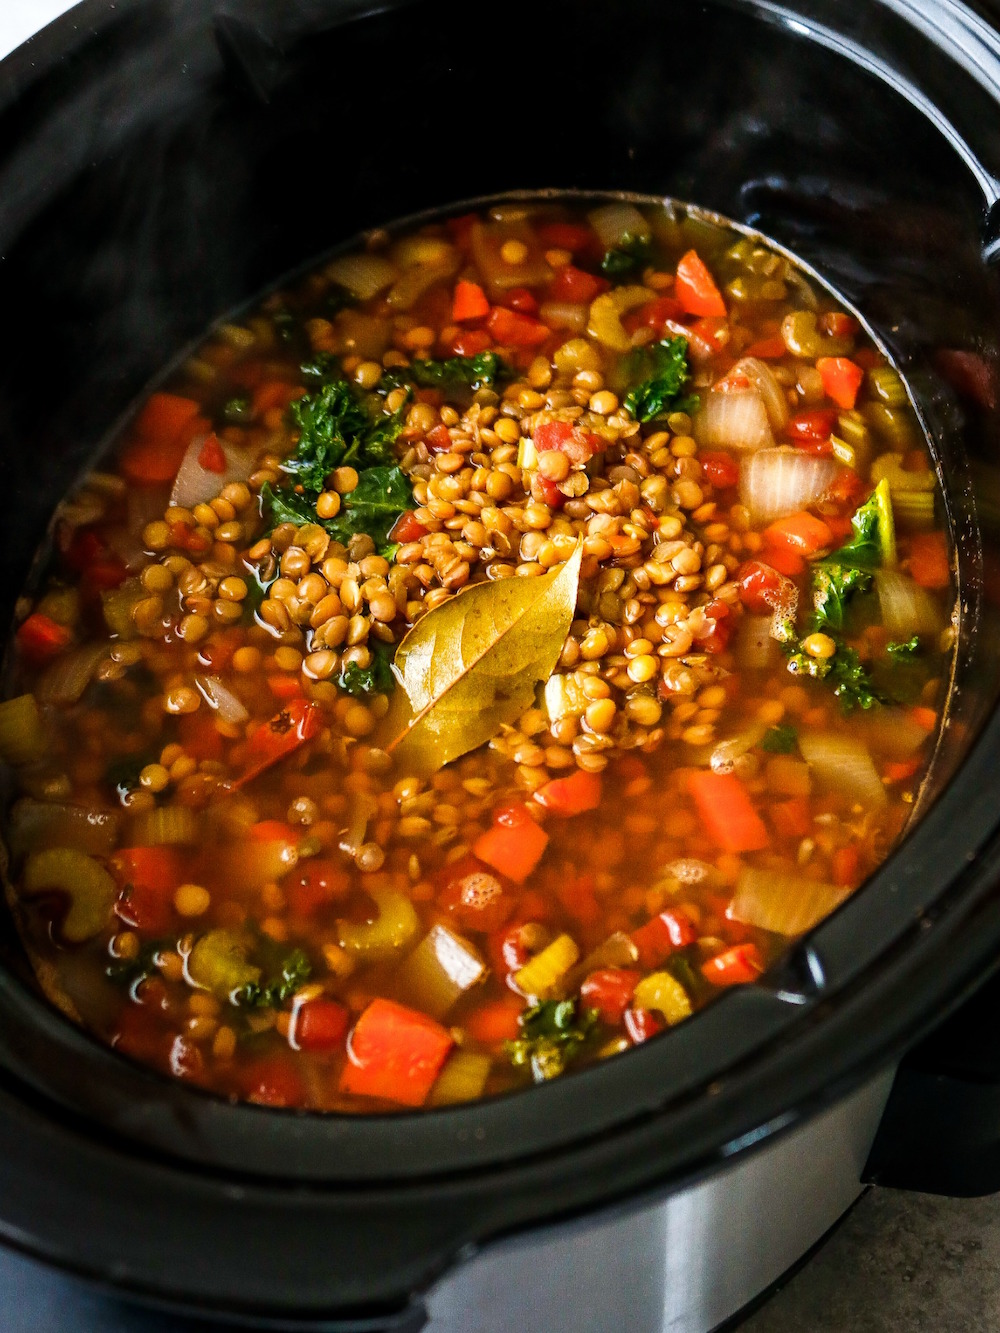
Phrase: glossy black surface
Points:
(161, 161)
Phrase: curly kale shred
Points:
(631, 254)
(553, 1033)
(476, 372)
(376, 678)
(663, 372)
(294, 972)
(779, 740)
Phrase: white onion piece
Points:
(736, 419)
(842, 764)
(564, 315)
(756, 649)
(762, 377)
(363, 275)
(726, 753)
(782, 903)
(614, 222)
(778, 482)
(196, 485)
(891, 732)
(66, 679)
(907, 609)
(222, 699)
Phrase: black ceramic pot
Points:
(160, 162)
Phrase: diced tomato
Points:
(654, 314)
(395, 1054)
(573, 795)
(927, 561)
(842, 378)
(148, 876)
(185, 538)
(210, 456)
(273, 1082)
(578, 445)
(320, 1025)
(496, 1022)
(816, 424)
(475, 895)
(103, 574)
(407, 528)
(845, 865)
(512, 329)
(641, 1024)
(720, 624)
(139, 1032)
(719, 468)
(609, 990)
(762, 588)
(846, 489)
(573, 236)
(295, 724)
(734, 967)
(713, 331)
(785, 561)
(314, 884)
(547, 491)
(470, 302)
(900, 770)
(41, 639)
(438, 440)
(803, 534)
(513, 848)
(838, 324)
(520, 299)
(660, 937)
(791, 818)
(470, 342)
(85, 547)
(573, 284)
(727, 812)
(767, 349)
(695, 287)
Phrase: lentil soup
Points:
(474, 659)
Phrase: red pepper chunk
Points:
(470, 342)
(41, 639)
(407, 528)
(573, 284)
(314, 884)
(842, 378)
(573, 795)
(762, 588)
(516, 330)
(609, 990)
(514, 845)
(734, 967)
(641, 1024)
(727, 812)
(295, 724)
(210, 456)
(663, 935)
(815, 424)
(395, 1054)
(319, 1025)
(695, 287)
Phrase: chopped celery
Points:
(913, 509)
(665, 994)
(166, 824)
(441, 968)
(22, 736)
(89, 887)
(396, 924)
(543, 976)
(885, 383)
(461, 1080)
(218, 963)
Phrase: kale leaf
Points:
(873, 543)
(483, 370)
(296, 970)
(845, 672)
(904, 652)
(381, 495)
(377, 678)
(664, 367)
(833, 587)
(779, 740)
(553, 1033)
(628, 256)
(332, 425)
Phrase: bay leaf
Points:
(472, 665)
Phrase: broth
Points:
(473, 659)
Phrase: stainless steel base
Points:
(683, 1265)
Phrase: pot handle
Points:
(940, 1133)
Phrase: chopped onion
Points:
(734, 419)
(487, 241)
(616, 222)
(196, 485)
(407, 290)
(222, 699)
(440, 969)
(65, 681)
(907, 609)
(782, 903)
(756, 649)
(762, 377)
(842, 764)
(564, 315)
(778, 482)
(892, 732)
(35, 825)
(363, 275)
(416, 250)
(726, 753)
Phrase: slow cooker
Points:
(163, 160)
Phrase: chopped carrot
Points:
(272, 830)
(470, 302)
(571, 796)
(928, 559)
(734, 967)
(154, 460)
(395, 1054)
(284, 686)
(165, 416)
(274, 394)
(295, 724)
(924, 717)
(899, 770)
(842, 378)
(695, 287)
(496, 1022)
(727, 811)
(792, 818)
(514, 845)
(845, 865)
(802, 533)
(767, 349)
(516, 330)
(41, 639)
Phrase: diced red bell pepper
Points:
(210, 456)
(572, 236)
(520, 299)
(41, 639)
(734, 967)
(320, 1026)
(653, 315)
(641, 1024)
(719, 468)
(663, 935)
(295, 724)
(475, 896)
(728, 814)
(514, 845)
(838, 324)
(148, 876)
(470, 342)
(103, 574)
(762, 588)
(713, 332)
(395, 1054)
(814, 424)
(512, 329)
(314, 884)
(470, 302)
(927, 560)
(695, 287)
(571, 795)
(407, 528)
(573, 284)
(273, 1082)
(842, 378)
(720, 624)
(609, 990)
(496, 1022)
(803, 534)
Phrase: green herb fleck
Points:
(377, 678)
(904, 653)
(553, 1034)
(476, 372)
(664, 367)
(295, 972)
(628, 256)
(238, 411)
(779, 740)
(833, 587)
(845, 671)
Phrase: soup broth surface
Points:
(474, 659)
